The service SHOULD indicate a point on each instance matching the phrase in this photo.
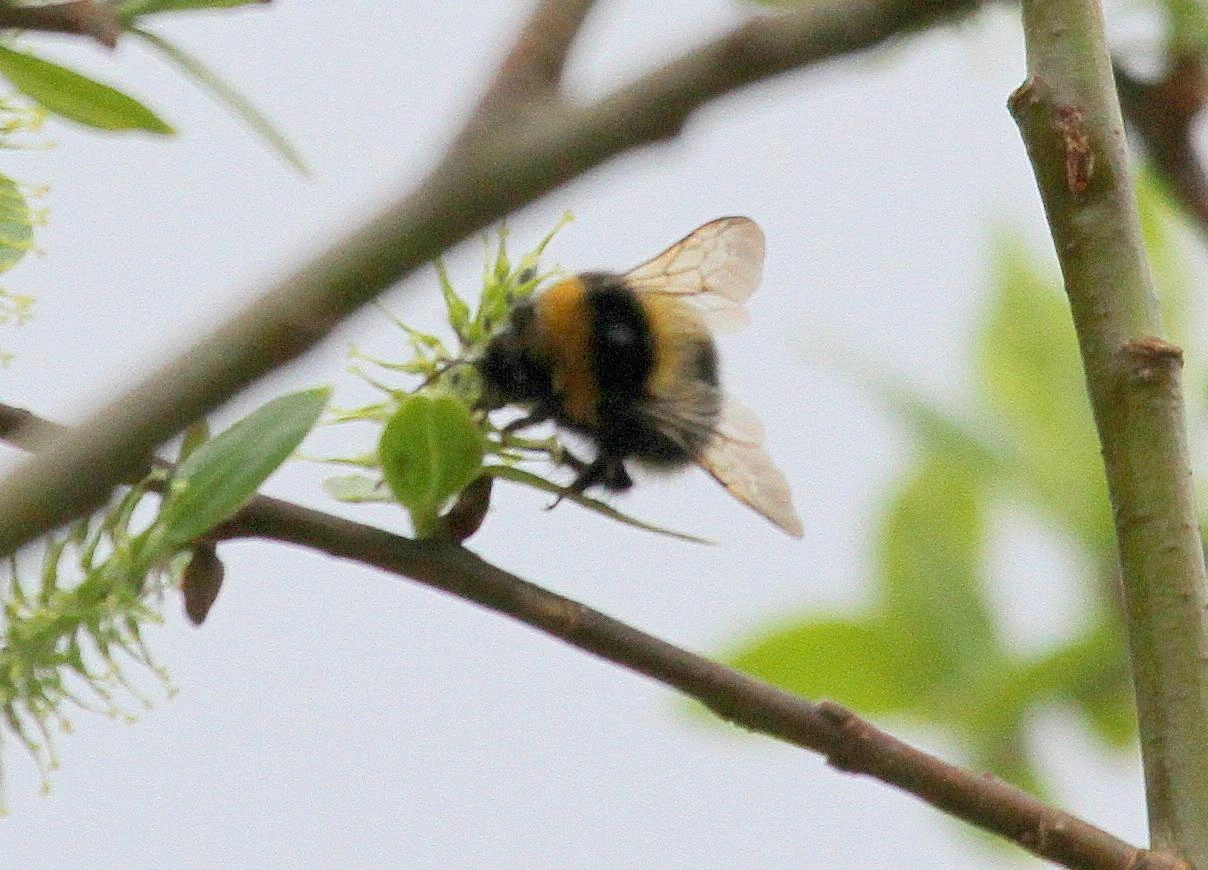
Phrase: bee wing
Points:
(736, 459)
(719, 264)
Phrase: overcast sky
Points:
(331, 716)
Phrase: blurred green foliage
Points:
(72, 95)
(68, 634)
(931, 648)
(17, 220)
(1186, 27)
(41, 87)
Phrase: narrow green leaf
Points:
(76, 97)
(16, 224)
(130, 9)
(501, 267)
(516, 475)
(421, 340)
(459, 311)
(224, 472)
(197, 434)
(429, 450)
(1092, 673)
(226, 95)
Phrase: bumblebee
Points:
(628, 361)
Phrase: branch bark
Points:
(493, 168)
(532, 71)
(850, 744)
(1069, 116)
(78, 17)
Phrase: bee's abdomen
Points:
(622, 351)
(674, 412)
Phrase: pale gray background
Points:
(332, 716)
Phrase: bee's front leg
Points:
(533, 418)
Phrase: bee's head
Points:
(514, 368)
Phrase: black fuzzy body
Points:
(589, 358)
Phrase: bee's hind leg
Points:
(533, 418)
(608, 471)
(570, 460)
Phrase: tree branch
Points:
(79, 17)
(1070, 120)
(492, 170)
(849, 743)
(533, 69)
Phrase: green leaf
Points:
(1089, 672)
(516, 475)
(224, 472)
(226, 95)
(77, 97)
(16, 224)
(429, 450)
(1110, 712)
(1092, 673)
(931, 553)
(130, 9)
(1032, 377)
(857, 662)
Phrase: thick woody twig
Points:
(1070, 120)
(490, 172)
(849, 743)
(78, 17)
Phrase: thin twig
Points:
(849, 743)
(532, 71)
(488, 174)
(1070, 119)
